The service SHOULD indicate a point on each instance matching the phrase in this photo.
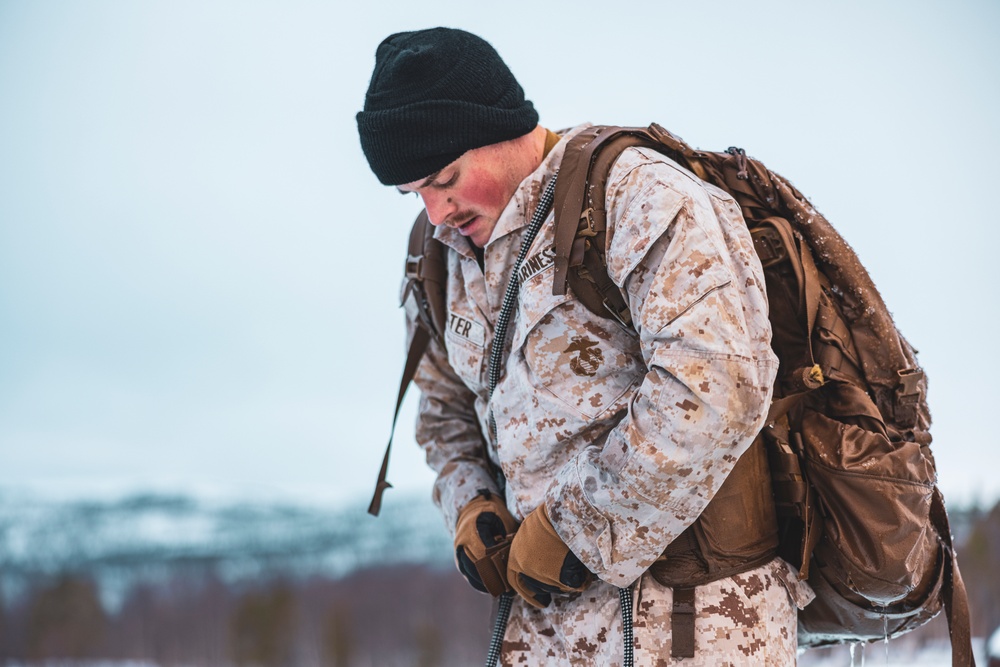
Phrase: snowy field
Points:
(874, 655)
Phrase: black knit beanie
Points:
(434, 95)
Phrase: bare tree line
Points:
(396, 615)
(413, 615)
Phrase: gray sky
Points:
(199, 275)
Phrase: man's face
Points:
(471, 192)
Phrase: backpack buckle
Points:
(586, 227)
(624, 317)
(908, 396)
(415, 267)
(909, 379)
(769, 246)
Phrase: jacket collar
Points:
(521, 206)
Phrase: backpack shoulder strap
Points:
(581, 217)
(579, 205)
(426, 275)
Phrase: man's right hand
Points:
(482, 540)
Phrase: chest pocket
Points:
(588, 363)
(465, 339)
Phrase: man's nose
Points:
(439, 206)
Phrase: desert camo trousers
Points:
(748, 619)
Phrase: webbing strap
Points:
(611, 296)
(492, 569)
(421, 338)
(953, 593)
(806, 273)
(570, 193)
(577, 191)
(682, 624)
(812, 289)
(956, 610)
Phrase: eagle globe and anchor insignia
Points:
(586, 356)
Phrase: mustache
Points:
(460, 218)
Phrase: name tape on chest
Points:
(466, 329)
(535, 264)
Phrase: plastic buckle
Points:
(769, 246)
(909, 380)
(586, 217)
(415, 266)
(908, 396)
(624, 318)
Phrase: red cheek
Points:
(487, 193)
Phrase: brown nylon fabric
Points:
(682, 624)
(736, 532)
(569, 189)
(849, 434)
(884, 548)
(427, 274)
(883, 351)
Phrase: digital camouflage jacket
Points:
(624, 435)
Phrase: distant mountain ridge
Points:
(155, 535)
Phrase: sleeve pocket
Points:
(681, 286)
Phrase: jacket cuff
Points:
(588, 533)
(456, 489)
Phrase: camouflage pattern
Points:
(749, 619)
(625, 436)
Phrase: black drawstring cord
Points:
(496, 354)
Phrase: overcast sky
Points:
(199, 275)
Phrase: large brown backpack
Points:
(848, 429)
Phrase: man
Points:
(613, 443)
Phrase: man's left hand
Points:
(540, 563)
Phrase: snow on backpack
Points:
(848, 429)
(847, 434)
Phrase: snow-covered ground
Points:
(899, 654)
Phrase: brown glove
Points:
(482, 540)
(540, 563)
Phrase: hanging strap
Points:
(682, 624)
(953, 593)
(421, 338)
(426, 273)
